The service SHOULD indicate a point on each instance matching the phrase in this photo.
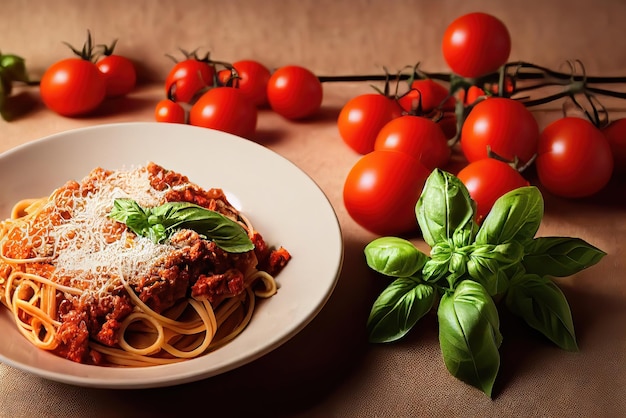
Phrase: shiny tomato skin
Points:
(502, 124)
(476, 44)
(429, 94)
(615, 133)
(169, 111)
(225, 109)
(119, 75)
(253, 79)
(72, 87)
(381, 190)
(362, 117)
(487, 180)
(574, 158)
(417, 136)
(294, 92)
(186, 78)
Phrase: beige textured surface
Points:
(329, 370)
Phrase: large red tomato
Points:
(225, 109)
(503, 125)
(294, 92)
(417, 136)
(381, 190)
(362, 117)
(476, 44)
(487, 180)
(72, 87)
(253, 79)
(574, 158)
(187, 78)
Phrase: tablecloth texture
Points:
(329, 369)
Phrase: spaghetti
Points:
(85, 287)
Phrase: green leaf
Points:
(544, 307)
(560, 256)
(515, 216)
(445, 208)
(398, 308)
(488, 264)
(160, 222)
(395, 257)
(469, 335)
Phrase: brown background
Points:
(329, 369)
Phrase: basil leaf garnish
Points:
(398, 308)
(160, 222)
(469, 335)
(544, 307)
(394, 257)
(560, 256)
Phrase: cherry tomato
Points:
(362, 117)
(381, 190)
(470, 96)
(504, 125)
(253, 79)
(225, 109)
(119, 75)
(487, 180)
(187, 78)
(574, 158)
(169, 111)
(417, 136)
(72, 87)
(428, 94)
(476, 44)
(294, 92)
(615, 132)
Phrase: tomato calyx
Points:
(516, 163)
(89, 50)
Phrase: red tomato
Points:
(187, 78)
(381, 190)
(72, 87)
(615, 132)
(470, 96)
(253, 79)
(487, 180)
(574, 158)
(417, 136)
(428, 94)
(476, 44)
(294, 92)
(225, 109)
(169, 111)
(362, 117)
(119, 75)
(504, 125)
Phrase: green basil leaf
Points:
(488, 264)
(544, 307)
(560, 256)
(398, 308)
(395, 257)
(469, 335)
(128, 212)
(445, 208)
(515, 216)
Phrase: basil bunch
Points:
(160, 222)
(469, 269)
(12, 69)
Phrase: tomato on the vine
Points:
(487, 180)
(417, 136)
(72, 87)
(362, 117)
(427, 95)
(381, 190)
(225, 109)
(476, 44)
(119, 72)
(252, 81)
(169, 111)
(188, 77)
(503, 125)
(615, 133)
(294, 92)
(574, 158)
